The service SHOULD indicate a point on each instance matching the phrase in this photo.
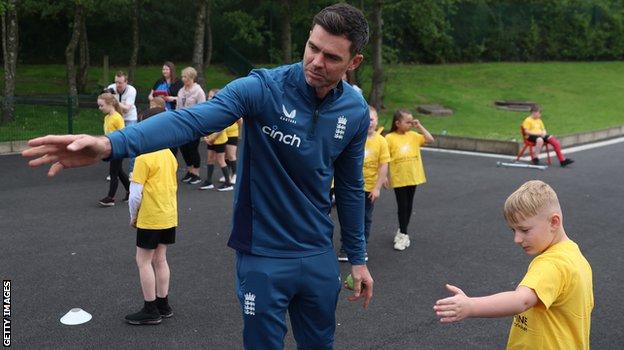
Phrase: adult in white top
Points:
(126, 95)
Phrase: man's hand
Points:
(362, 284)
(374, 194)
(455, 308)
(67, 151)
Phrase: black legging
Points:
(405, 199)
(116, 173)
(191, 154)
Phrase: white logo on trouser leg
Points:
(250, 304)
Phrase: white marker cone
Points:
(76, 316)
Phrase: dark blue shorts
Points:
(307, 287)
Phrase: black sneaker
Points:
(187, 177)
(207, 185)
(107, 201)
(225, 187)
(535, 161)
(195, 179)
(566, 162)
(163, 307)
(342, 256)
(149, 314)
(127, 197)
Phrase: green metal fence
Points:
(53, 114)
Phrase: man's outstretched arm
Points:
(168, 129)
(67, 151)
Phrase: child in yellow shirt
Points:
(406, 167)
(215, 144)
(376, 158)
(113, 120)
(154, 212)
(553, 303)
(536, 132)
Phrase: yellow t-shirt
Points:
(562, 279)
(375, 153)
(232, 130)
(221, 139)
(533, 126)
(156, 171)
(113, 122)
(406, 167)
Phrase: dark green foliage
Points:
(419, 31)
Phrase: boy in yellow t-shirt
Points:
(536, 132)
(376, 158)
(553, 303)
(406, 168)
(154, 213)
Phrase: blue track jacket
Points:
(293, 145)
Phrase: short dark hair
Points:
(344, 19)
(535, 108)
(122, 74)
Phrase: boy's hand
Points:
(374, 194)
(387, 184)
(455, 308)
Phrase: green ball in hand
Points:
(349, 281)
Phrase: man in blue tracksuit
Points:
(302, 128)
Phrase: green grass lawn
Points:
(575, 96)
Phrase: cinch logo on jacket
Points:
(274, 133)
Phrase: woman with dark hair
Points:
(167, 86)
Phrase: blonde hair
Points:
(213, 92)
(157, 102)
(110, 99)
(190, 73)
(528, 200)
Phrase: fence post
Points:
(70, 115)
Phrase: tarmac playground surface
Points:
(61, 250)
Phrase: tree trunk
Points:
(286, 32)
(198, 51)
(70, 53)
(376, 94)
(10, 39)
(81, 78)
(134, 57)
(208, 53)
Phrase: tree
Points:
(198, 50)
(286, 32)
(84, 61)
(208, 53)
(376, 94)
(10, 39)
(134, 57)
(70, 53)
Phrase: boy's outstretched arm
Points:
(460, 306)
